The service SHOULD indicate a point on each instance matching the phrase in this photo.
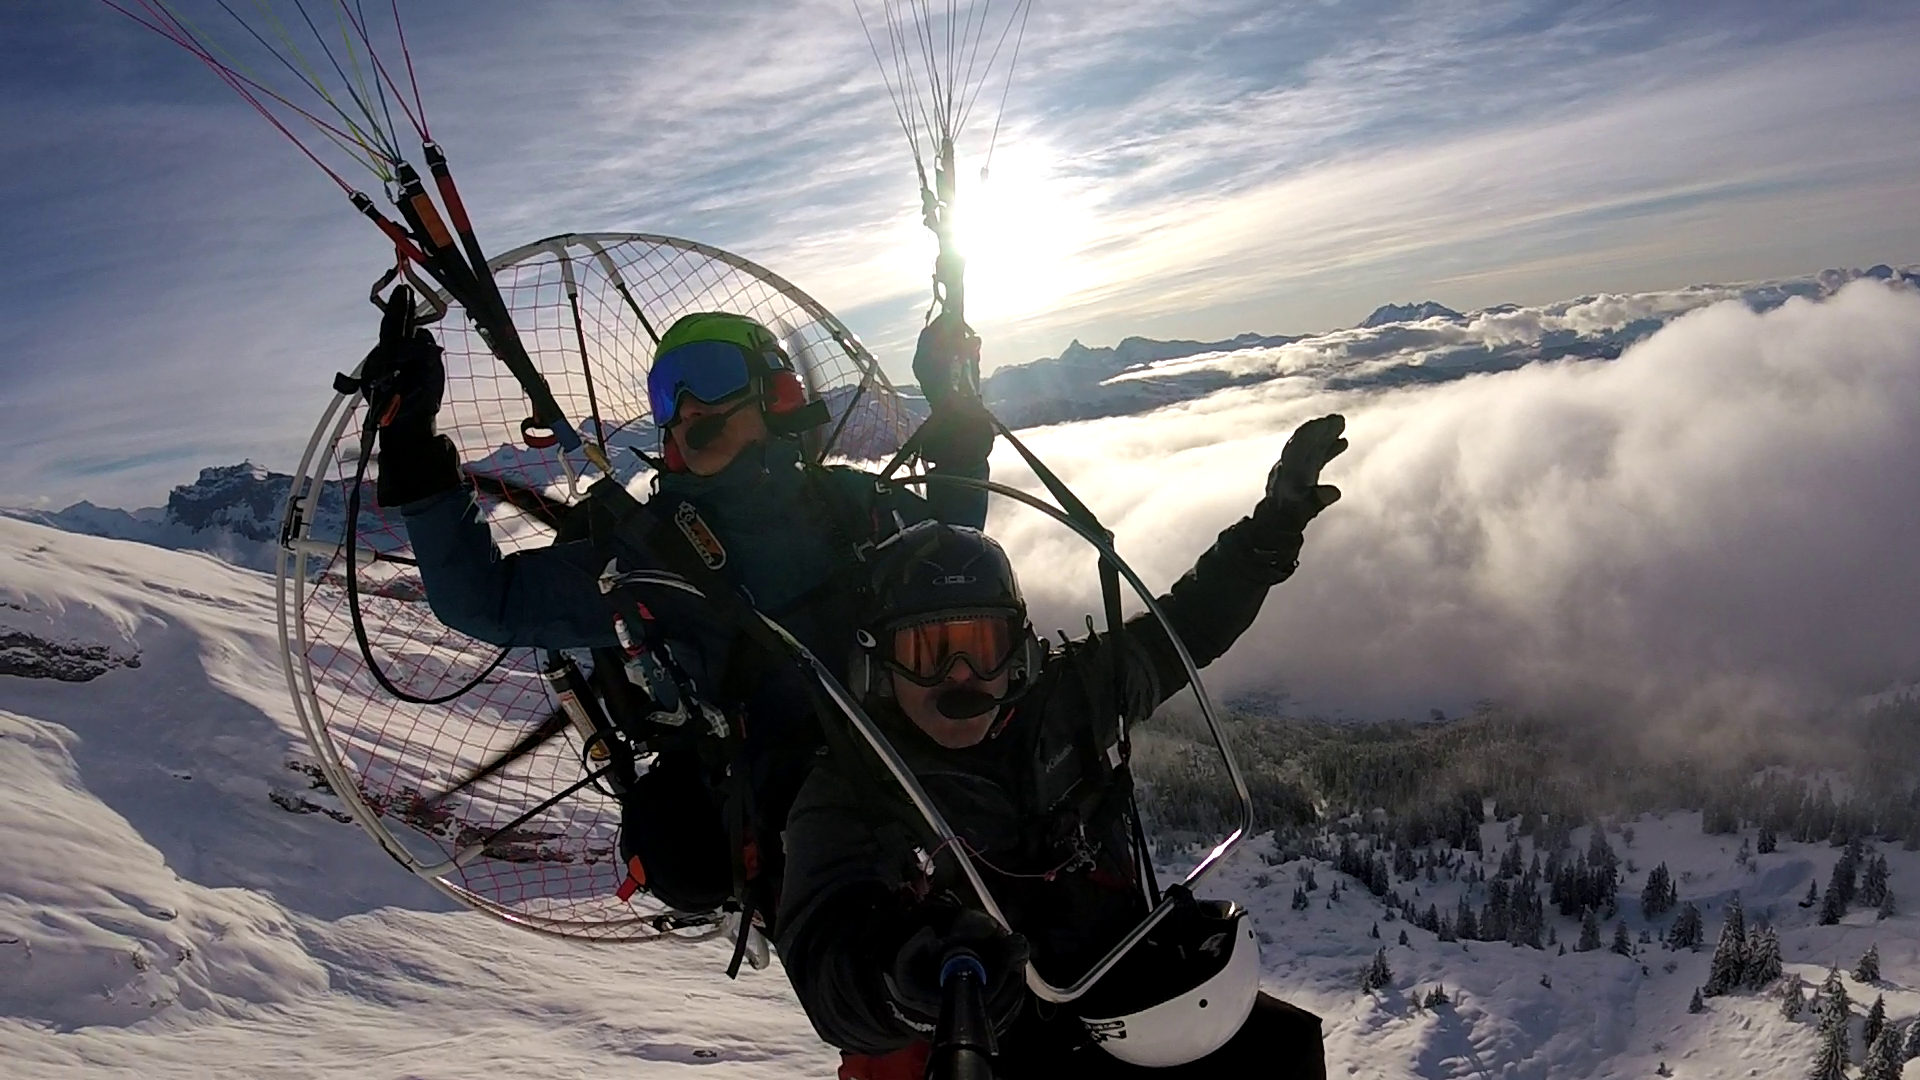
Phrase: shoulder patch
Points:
(700, 536)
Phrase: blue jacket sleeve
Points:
(545, 598)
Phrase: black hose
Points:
(368, 433)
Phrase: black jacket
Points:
(1048, 822)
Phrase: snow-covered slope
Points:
(163, 913)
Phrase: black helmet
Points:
(937, 575)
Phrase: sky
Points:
(180, 284)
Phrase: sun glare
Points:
(1020, 229)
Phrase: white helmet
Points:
(1183, 992)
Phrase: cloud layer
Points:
(1717, 524)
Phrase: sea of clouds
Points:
(1717, 524)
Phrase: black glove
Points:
(959, 434)
(946, 362)
(403, 379)
(942, 930)
(1295, 494)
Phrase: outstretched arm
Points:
(545, 597)
(1214, 603)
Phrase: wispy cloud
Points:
(173, 277)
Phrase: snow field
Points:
(161, 916)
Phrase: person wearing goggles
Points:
(1016, 745)
(788, 531)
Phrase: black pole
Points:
(963, 1043)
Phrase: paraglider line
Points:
(238, 84)
(994, 139)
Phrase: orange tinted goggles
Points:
(927, 652)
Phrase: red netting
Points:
(587, 308)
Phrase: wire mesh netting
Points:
(589, 308)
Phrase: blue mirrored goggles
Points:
(712, 371)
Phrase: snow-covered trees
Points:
(1876, 1021)
(1696, 1005)
(1726, 972)
(1832, 998)
(1589, 933)
(1659, 894)
(1832, 1057)
(1769, 842)
(1868, 969)
(1883, 1056)
(1763, 959)
(1831, 1064)
(1687, 931)
(1911, 1048)
(1793, 997)
(1622, 941)
(1873, 886)
(1377, 975)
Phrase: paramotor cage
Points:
(529, 843)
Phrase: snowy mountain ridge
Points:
(233, 511)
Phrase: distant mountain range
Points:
(234, 511)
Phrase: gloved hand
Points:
(946, 362)
(959, 433)
(1295, 494)
(404, 376)
(403, 379)
(914, 981)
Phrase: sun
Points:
(1021, 229)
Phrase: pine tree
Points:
(1832, 908)
(1377, 975)
(1686, 932)
(1876, 1021)
(1831, 1064)
(1696, 1005)
(1883, 1055)
(1589, 933)
(1833, 998)
(1403, 937)
(1911, 1048)
(1763, 959)
(1727, 969)
(1769, 843)
(1793, 998)
(1436, 998)
(1375, 932)
(1868, 969)
(1813, 894)
(1622, 942)
(1886, 910)
(1874, 888)
(1654, 898)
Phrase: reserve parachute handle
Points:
(516, 842)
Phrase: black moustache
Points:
(965, 704)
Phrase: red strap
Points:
(750, 856)
(636, 879)
(906, 1063)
